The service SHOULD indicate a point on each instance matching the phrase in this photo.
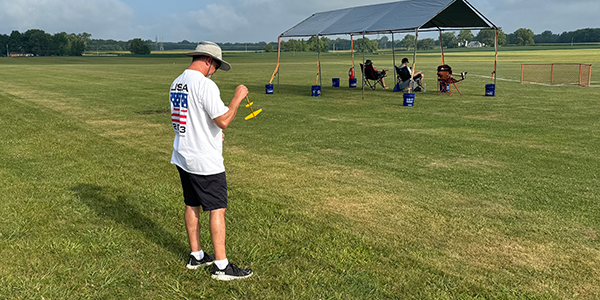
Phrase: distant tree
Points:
(138, 47)
(510, 38)
(294, 45)
(60, 44)
(342, 44)
(426, 44)
(268, 48)
(382, 43)
(3, 43)
(524, 36)
(38, 42)
(546, 37)
(487, 37)
(365, 45)
(15, 41)
(449, 40)
(465, 36)
(586, 35)
(317, 44)
(77, 44)
(408, 41)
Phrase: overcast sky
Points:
(251, 20)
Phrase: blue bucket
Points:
(316, 90)
(353, 82)
(490, 90)
(335, 82)
(269, 89)
(409, 99)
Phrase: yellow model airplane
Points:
(254, 113)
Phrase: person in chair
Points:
(417, 77)
(380, 74)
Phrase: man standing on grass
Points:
(198, 116)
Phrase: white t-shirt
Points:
(198, 145)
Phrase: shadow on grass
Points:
(117, 209)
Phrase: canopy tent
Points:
(390, 18)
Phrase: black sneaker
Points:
(231, 272)
(207, 260)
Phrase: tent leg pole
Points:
(414, 61)
(363, 71)
(352, 50)
(394, 60)
(320, 76)
(442, 47)
(495, 55)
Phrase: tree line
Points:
(520, 37)
(38, 42)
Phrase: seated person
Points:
(417, 77)
(445, 77)
(380, 75)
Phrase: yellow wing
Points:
(253, 115)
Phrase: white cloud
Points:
(216, 18)
(249, 20)
(98, 17)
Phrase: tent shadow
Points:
(119, 210)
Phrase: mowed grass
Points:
(331, 197)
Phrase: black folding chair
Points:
(373, 77)
(403, 76)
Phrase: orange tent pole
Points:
(278, 57)
(352, 49)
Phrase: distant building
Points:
(475, 44)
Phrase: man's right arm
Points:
(224, 120)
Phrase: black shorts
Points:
(208, 191)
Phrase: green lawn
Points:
(331, 197)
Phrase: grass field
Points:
(331, 197)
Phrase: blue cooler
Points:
(490, 90)
(409, 99)
(335, 82)
(316, 90)
(269, 89)
(353, 82)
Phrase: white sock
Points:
(222, 264)
(198, 255)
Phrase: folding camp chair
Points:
(446, 80)
(372, 77)
(403, 76)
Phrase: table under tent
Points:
(390, 18)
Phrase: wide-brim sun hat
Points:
(213, 50)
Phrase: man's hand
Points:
(241, 91)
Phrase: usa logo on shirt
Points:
(179, 112)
